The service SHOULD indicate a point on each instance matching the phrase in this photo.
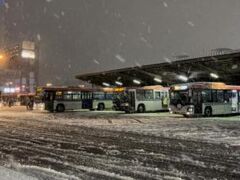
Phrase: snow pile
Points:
(7, 174)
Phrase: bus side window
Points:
(86, 95)
(148, 94)
(67, 97)
(228, 95)
(157, 95)
(140, 94)
(206, 96)
(238, 96)
(109, 96)
(214, 96)
(59, 95)
(99, 95)
(220, 97)
(77, 96)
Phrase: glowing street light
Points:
(118, 83)
(157, 80)
(183, 78)
(135, 81)
(213, 75)
(105, 84)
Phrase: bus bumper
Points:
(185, 110)
(127, 108)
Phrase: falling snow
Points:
(120, 58)
(190, 23)
(165, 4)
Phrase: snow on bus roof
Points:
(207, 85)
(64, 88)
(156, 87)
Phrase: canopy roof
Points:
(220, 68)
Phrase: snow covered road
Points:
(97, 145)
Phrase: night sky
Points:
(82, 36)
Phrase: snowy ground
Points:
(110, 145)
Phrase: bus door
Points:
(87, 100)
(235, 103)
(238, 94)
(132, 99)
(49, 98)
(197, 101)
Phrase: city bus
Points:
(74, 98)
(205, 99)
(145, 99)
(103, 99)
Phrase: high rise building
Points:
(19, 71)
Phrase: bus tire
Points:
(141, 108)
(208, 111)
(60, 108)
(101, 107)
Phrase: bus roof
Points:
(17, 94)
(156, 87)
(205, 85)
(63, 89)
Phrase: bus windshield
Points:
(180, 97)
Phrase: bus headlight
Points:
(190, 109)
(125, 104)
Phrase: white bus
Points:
(145, 99)
(103, 99)
(204, 98)
(62, 99)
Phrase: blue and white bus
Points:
(60, 99)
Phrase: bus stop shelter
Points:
(217, 68)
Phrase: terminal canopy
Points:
(217, 68)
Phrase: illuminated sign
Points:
(28, 54)
(9, 90)
(28, 45)
(119, 89)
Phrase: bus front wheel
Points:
(141, 108)
(60, 108)
(208, 112)
(101, 107)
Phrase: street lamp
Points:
(118, 83)
(135, 81)
(2, 56)
(158, 80)
(106, 84)
(213, 75)
(183, 78)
